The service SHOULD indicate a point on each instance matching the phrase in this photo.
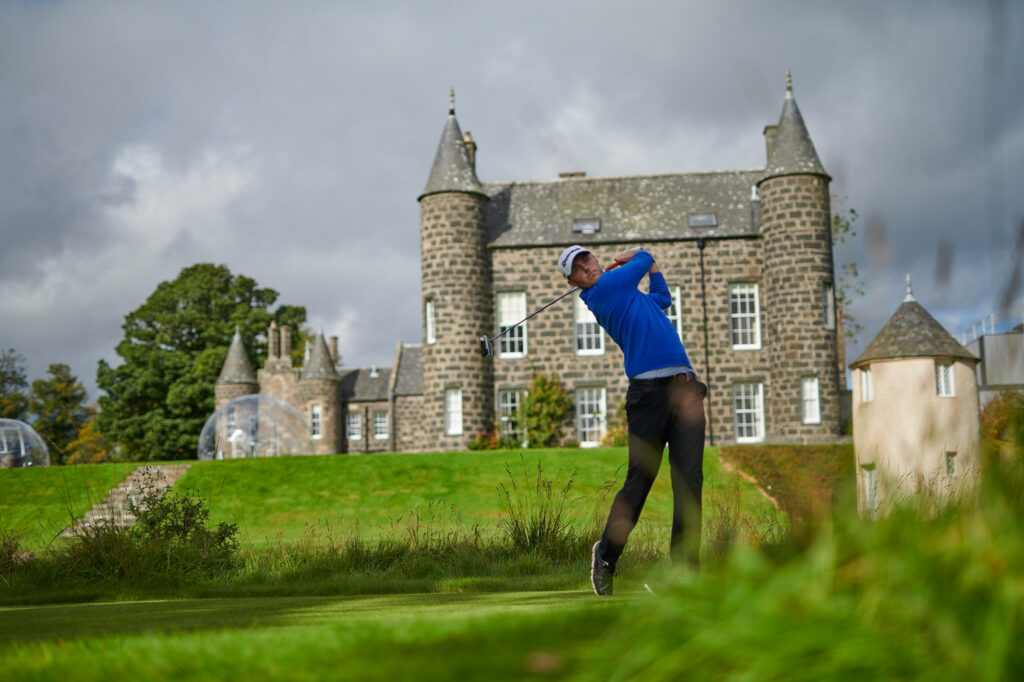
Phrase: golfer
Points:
(664, 403)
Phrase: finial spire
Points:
(451, 102)
(910, 292)
(789, 84)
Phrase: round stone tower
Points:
(236, 377)
(799, 294)
(319, 399)
(457, 300)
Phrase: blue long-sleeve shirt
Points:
(636, 321)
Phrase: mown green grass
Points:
(39, 502)
(505, 636)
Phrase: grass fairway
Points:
(504, 636)
(274, 499)
(39, 502)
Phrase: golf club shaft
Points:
(533, 314)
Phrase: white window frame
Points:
(809, 390)
(588, 332)
(316, 419)
(829, 305)
(867, 386)
(453, 412)
(590, 422)
(748, 400)
(431, 327)
(675, 310)
(380, 425)
(869, 477)
(229, 419)
(509, 402)
(511, 307)
(951, 464)
(945, 387)
(745, 316)
(354, 425)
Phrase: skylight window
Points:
(703, 219)
(586, 225)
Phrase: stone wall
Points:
(224, 393)
(408, 424)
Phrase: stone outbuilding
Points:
(915, 410)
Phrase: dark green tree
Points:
(13, 397)
(58, 404)
(173, 350)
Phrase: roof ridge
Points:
(642, 176)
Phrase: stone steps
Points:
(114, 510)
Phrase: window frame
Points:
(583, 396)
(751, 292)
(354, 426)
(507, 411)
(757, 411)
(430, 324)
(586, 329)
(828, 295)
(453, 425)
(316, 421)
(867, 386)
(519, 335)
(380, 417)
(944, 369)
(808, 400)
(676, 293)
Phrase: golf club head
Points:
(486, 347)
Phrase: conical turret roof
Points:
(237, 368)
(452, 170)
(792, 151)
(912, 333)
(319, 365)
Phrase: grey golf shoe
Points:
(601, 573)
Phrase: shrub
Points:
(544, 409)
(1002, 420)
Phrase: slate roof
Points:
(410, 370)
(635, 208)
(792, 151)
(452, 170)
(320, 365)
(912, 333)
(237, 368)
(360, 385)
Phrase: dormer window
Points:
(702, 220)
(586, 225)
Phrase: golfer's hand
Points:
(625, 256)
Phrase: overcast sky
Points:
(290, 140)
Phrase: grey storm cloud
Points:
(290, 140)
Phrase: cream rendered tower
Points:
(457, 298)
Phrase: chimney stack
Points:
(470, 149)
(273, 342)
(769, 137)
(286, 344)
(334, 349)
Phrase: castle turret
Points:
(318, 398)
(457, 298)
(799, 297)
(236, 377)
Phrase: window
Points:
(828, 302)
(586, 225)
(511, 309)
(675, 310)
(230, 421)
(508, 407)
(453, 412)
(354, 426)
(745, 316)
(870, 479)
(951, 464)
(315, 418)
(590, 416)
(428, 316)
(380, 425)
(812, 407)
(944, 380)
(589, 338)
(748, 411)
(867, 389)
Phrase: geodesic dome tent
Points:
(254, 426)
(21, 446)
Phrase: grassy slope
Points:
(39, 502)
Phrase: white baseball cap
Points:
(568, 256)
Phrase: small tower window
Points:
(867, 386)
(428, 316)
(812, 406)
(315, 420)
(828, 302)
(586, 225)
(944, 380)
(951, 464)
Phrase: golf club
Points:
(487, 342)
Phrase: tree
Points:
(89, 447)
(13, 399)
(58, 404)
(544, 408)
(849, 282)
(173, 350)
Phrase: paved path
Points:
(115, 508)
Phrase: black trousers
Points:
(661, 411)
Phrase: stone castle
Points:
(747, 255)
